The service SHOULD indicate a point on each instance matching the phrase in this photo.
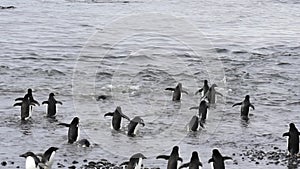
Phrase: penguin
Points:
(193, 124)
(73, 133)
(133, 126)
(202, 111)
(293, 140)
(32, 161)
(173, 158)
(204, 89)
(245, 104)
(84, 143)
(211, 94)
(177, 92)
(48, 156)
(117, 118)
(51, 110)
(218, 159)
(25, 107)
(135, 161)
(29, 93)
(194, 162)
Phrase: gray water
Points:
(132, 51)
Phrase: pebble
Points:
(3, 163)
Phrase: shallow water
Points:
(132, 51)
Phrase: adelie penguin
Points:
(135, 161)
(202, 111)
(48, 157)
(30, 96)
(218, 160)
(173, 159)
(177, 92)
(73, 133)
(211, 94)
(194, 162)
(293, 140)
(204, 89)
(25, 107)
(51, 110)
(117, 118)
(134, 126)
(245, 105)
(32, 161)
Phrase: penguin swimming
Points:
(30, 96)
(293, 140)
(245, 104)
(218, 159)
(202, 111)
(84, 143)
(194, 162)
(211, 94)
(48, 156)
(134, 125)
(204, 89)
(177, 92)
(173, 158)
(73, 133)
(32, 161)
(135, 161)
(51, 110)
(25, 107)
(193, 124)
(117, 118)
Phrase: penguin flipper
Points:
(183, 91)
(227, 158)
(286, 134)
(219, 93)
(211, 160)
(166, 157)
(45, 102)
(124, 116)
(64, 124)
(252, 106)
(169, 88)
(17, 104)
(185, 165)
(196, 107)
(36, 102)
(237, 104)
(180, 159)
(124, 163)
(19, 99)
(200, 164)
(109, 114)
(59, 102)
(199, 91)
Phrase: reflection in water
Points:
(25, 126)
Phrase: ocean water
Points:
(131, 51)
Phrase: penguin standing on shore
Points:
(245, 105)
(173, 159)
(117, 118)
(177, 92)
(73, 133)
(293, 140)
(218, 159)
(32, 161)
(51, 110)
(25, 107)
(135, 161)
(194, 162)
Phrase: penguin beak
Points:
(143, 124)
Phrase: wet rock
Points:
(72, 167)
(75, 162)
(3, 163)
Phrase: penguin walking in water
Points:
(173, 158)
(211, 94)
(293, 140)
(73, 133)
(194, 162)
(117, 118)
(51, 110)
(177, 92)
(193, 124)
(30, 96)
(245, 105)
(135, 161)
(32, 161)
(25, 107)
(202, 111)
(204, 89)
(218, 159)
(134, 126)
(48, 157)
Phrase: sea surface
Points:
(131, 50)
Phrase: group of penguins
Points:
(45, 160)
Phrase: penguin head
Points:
(138, 119)
(51, 149)
(213, 85)
(137, 156)
(216, 152)
(26, 96)
(27, 154)
(194, 155)
(29, 91)
(118, 109)
(292, 126)
(247, 97)
(51, 95)
(179, 85)
(205, 82)
(175, 150)
(75, 120)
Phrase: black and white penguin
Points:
(293, 140)
(211, 94)
(51, 110)
(32, 161)
(73, 133)
(25, 107)
(117, 118)
(177, 92)
(193, 124)
(202, 111)
(218, 159)
(204, 89)
(135, 161)
(173, 159)
(134, 125)
(245, 105)
(48, 156)
(30, 96)
(194, 162)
